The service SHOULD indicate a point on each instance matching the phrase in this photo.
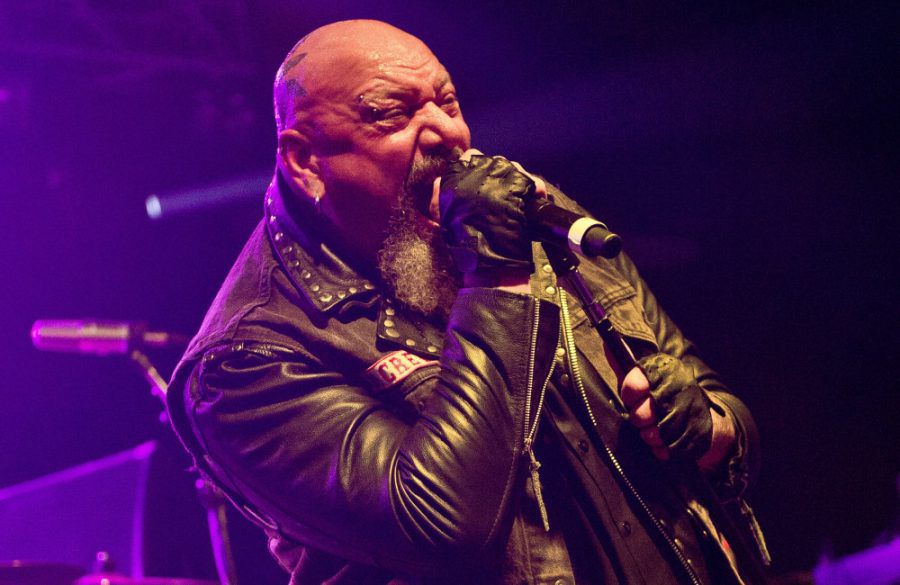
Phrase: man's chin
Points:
(416, 265)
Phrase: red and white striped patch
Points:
(394, 367)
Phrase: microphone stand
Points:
(158, 385)
(212, 499)
(565, 264)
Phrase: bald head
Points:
(360, 106)
(333, 53)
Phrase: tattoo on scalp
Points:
(294, 89)
(292, 86)
(292, 62)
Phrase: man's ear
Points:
(298, 165)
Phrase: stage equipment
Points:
(99, 337)
(107, 337)
(69, 515)
(25, 573)
(113, 579)
(582, 234)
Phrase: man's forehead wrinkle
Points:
(402, 78)
(375, 75)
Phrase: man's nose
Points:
(440, 129)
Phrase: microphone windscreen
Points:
(95, 337)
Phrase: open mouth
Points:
(419, 186)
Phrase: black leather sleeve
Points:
(332, 466)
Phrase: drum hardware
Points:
(37, 573)
(131, 338)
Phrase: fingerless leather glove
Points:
(682, 407)
(481, 203)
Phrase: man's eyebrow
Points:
(398, 93)
(378, 95)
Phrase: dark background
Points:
(748, 155)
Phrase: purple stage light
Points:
(878, 565)
(237, 189)
(69, 515)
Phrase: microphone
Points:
(554, 225)
(99, 337)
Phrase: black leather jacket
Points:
(375, 446)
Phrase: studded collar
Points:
(329, 284)
(316, 271)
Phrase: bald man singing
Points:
(392, 383)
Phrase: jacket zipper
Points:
(575, 370)
(531, 428)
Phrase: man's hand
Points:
(673, 414)
(481, 202)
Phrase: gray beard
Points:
(414, 261)
(416, 266)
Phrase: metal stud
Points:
(431, 348)
(410, 342)
(326, 297)
(353, 290)
(390, 311)
(315, 288)
(388, 323)
(279, 236)
(550, 290)
(305, 274)
(391, 333)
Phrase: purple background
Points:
(747, 154)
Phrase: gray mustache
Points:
(422, 174)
